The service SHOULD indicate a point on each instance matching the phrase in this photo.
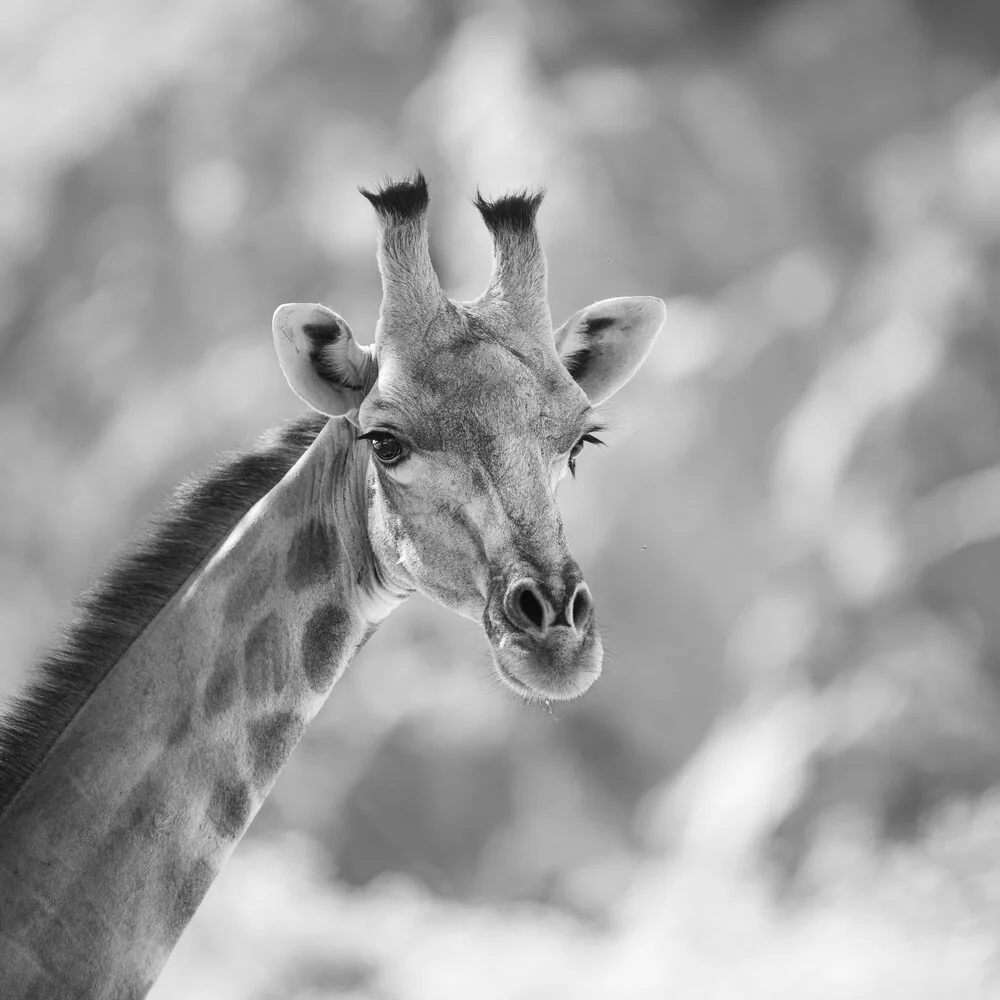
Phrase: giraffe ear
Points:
(321, 359)
(604, 345)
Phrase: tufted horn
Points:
(519, 281)
(410, 286)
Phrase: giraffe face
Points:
(468, 416)
(467, 443)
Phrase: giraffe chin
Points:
(560, 667)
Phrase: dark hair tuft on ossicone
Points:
(400, 201)
(511, 213)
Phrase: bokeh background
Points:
(783, 786)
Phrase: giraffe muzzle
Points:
(544, 637)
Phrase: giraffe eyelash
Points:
(378, 438)
(578, 447)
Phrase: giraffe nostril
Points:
(531, 607)
(528, 608)
(583, 604)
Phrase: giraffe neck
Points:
(109, 846)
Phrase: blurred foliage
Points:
(778, 787)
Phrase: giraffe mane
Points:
(191, 525)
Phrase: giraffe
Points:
(133, 765)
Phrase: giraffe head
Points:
(467, 416)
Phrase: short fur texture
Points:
(410, 287)
(193, 523)
(518, 283)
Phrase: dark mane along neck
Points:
(192, 524)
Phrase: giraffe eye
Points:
(578, 447)
(386, 448)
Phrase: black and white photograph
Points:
(500, 500)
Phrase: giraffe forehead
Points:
(475, 394)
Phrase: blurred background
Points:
(784, 785)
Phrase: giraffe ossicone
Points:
(132, 766)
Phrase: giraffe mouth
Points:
(560, 667)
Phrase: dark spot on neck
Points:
(312, 556)
(271, 740)
(323, 644)
(250, 588)
(221, 687)
(229, 808)
(180, 728)
(265, 657)
(147, 808)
